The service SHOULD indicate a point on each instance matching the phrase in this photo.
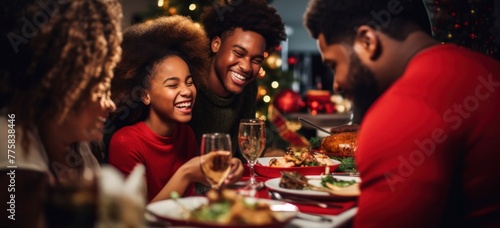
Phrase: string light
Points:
(161, 3)
(275, 84)
(192, 7)
(266, 98)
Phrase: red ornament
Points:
(288, 101)
(292, 60)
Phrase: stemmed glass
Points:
(215, 158)
(252, 140)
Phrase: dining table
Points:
(336, 213)
(331, 211)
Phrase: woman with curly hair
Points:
(155, 94)
(57, 65)
(239, 32)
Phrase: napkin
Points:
(122, 200)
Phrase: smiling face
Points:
(88, 120)
(172, 93)
(352, 78)
(237, 61)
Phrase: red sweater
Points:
(161, 156)
(429, 148)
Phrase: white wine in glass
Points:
(215, 158)
(252, 140)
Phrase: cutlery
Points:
(185, 211)
(300, 215)
(313, 125)
(349, 174)
(299, 200)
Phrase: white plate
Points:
(274, 184)
(170, 211)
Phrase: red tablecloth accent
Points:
(346, 205)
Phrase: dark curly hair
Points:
(144, 46)
(57, 55)
(337, 20)
(250, 15)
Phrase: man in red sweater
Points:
(428, 147)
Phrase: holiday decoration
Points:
(288, 101)
(284, 129)
(318, 101)
(466, 23)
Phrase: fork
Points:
(300, 215)
(299, 200)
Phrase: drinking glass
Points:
(72, 201)
(252, 140)
(215, 158)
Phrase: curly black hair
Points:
(337, 20)
(250, 15)
(56, 56)
(144, 46)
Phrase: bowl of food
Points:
(223, 209)
(303, 161)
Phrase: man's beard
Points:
(364, 88)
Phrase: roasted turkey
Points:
(340, 144)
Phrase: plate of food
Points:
(323, 186)
(303, 161)
(224, 209)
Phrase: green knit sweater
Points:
(215, 114)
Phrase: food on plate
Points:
(297, 181)
(341, 144)
(228, 208)
(292, 180)
(336, 182)
(300, 158)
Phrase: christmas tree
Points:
(468, 23)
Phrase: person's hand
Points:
(193, 170)
(236, 171)
(344, 128)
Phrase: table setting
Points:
(267, 195)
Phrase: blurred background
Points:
(296, 82)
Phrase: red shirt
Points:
(429, 148)
(161, 156)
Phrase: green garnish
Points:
(174, 195)
(347, 164)
(313, 163)
(315, 141)
(336, 182)
(213, 212)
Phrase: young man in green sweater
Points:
(240, 32)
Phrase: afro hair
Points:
(250, 15)
(144, 46)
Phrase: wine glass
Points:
(215, 158)
(252, 140)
